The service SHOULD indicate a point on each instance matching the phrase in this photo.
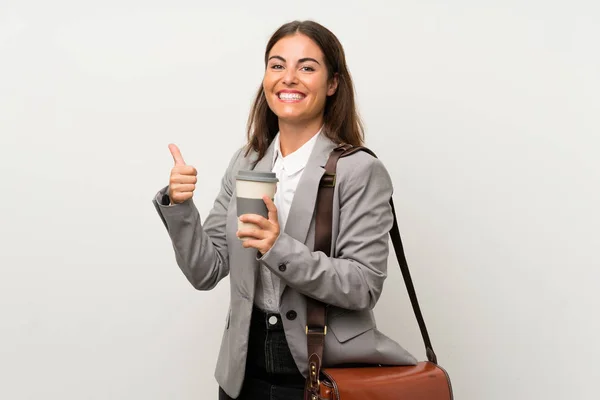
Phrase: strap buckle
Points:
(328, 180)
(316, 330)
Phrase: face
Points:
(295, 82)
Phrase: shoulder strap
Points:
(315, 328)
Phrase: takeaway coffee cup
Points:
(250, 187)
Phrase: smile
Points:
(290, 97)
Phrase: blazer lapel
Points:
(305, 198)
(265, 164)
(303, 206)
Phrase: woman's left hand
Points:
(263, 237)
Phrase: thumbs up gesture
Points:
(182, 182)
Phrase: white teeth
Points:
(290, 96)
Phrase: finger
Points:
(251, 243)
(184, 170)
(184, 179)
(177, 157)
(183, 188)
(272, 209)
(251, 233)
(256, 219)
(179, 197)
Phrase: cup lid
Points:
(257, 176)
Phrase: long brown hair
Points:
(342, 123)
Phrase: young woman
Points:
(304, 109)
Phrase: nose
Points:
(290, 77)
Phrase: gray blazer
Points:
(350, 282)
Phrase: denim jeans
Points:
(271, 373)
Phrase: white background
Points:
(486, 113)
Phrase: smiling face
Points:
(296, 83)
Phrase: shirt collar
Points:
(296, 161)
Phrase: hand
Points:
(263, 237)
(183, 178)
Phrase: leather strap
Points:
(316, 328)
(316, 310)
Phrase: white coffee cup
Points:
(250, 188)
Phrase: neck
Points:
(294, 136)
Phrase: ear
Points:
(333, 85)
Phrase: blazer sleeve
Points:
(200, 249)
(353, 278)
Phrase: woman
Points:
(304, 108)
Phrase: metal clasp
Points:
(328, 180)
(324, 332)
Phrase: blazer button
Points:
(282, 267)
(291, 315)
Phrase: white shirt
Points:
(288, 170)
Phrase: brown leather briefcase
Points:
(425, 381)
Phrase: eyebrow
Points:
(305, 59)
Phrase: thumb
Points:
(177, 157)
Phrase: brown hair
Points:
(342, 123)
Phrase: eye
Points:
(308, 69)
(276, 66)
